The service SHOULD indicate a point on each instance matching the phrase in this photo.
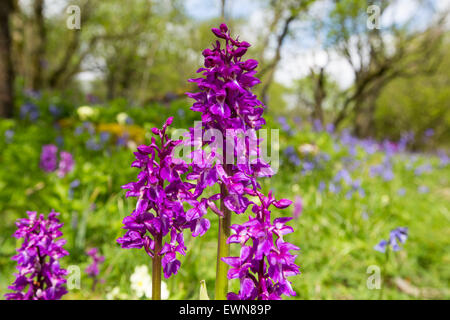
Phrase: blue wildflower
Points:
(29, 111)
(9, 134)
(396, 236)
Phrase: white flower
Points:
(308, 149)
(86, 112)
(131, 145)
(141, 282)
(122, 118)
(115, 294)
(164, 291)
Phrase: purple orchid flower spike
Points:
(159, 211)
(66, 164)
(40, 276)
(49, 158)
(227, 104)
(93, 269)
(298, 207)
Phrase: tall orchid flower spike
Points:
(158, 222)
(228, 106)
(39, 276)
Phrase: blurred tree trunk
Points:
(270, 69)
(319, 93)
(36, 53)
(365, 109)
(73, 56)
(364, 120)
(6, 69)
(111, 85)
(58, 74)
(222, 10)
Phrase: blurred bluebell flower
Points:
(423, 189)
(429, 133)
(336, 147)
(354, 164)
(292, 155)
(390, 147)
(285, 125)
(60, 141)
(384, 170)
(122, 141)
(381, 246)
(89, 127)
(330, 127)
(425, 168)
(317, 124)
(347, 138)
(369, 146)
(73, 185)
(55, 111)
(343, 175)
(352, 150)
(405, 139)
(357, 185)
(9, 134)
(129, 120)
(307, 166)
(29, 111)
(324, 156)
(104, 136)
(396, 236)
(322, 186)
(79, 130)
(445, 160)
(92, 144)
(387, 174)
(92, 99)
(35, 94)
(333, 188)
(85, 126)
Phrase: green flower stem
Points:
(385, 276)
(223, 249)
(156, 271)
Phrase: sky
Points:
(303, 52)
